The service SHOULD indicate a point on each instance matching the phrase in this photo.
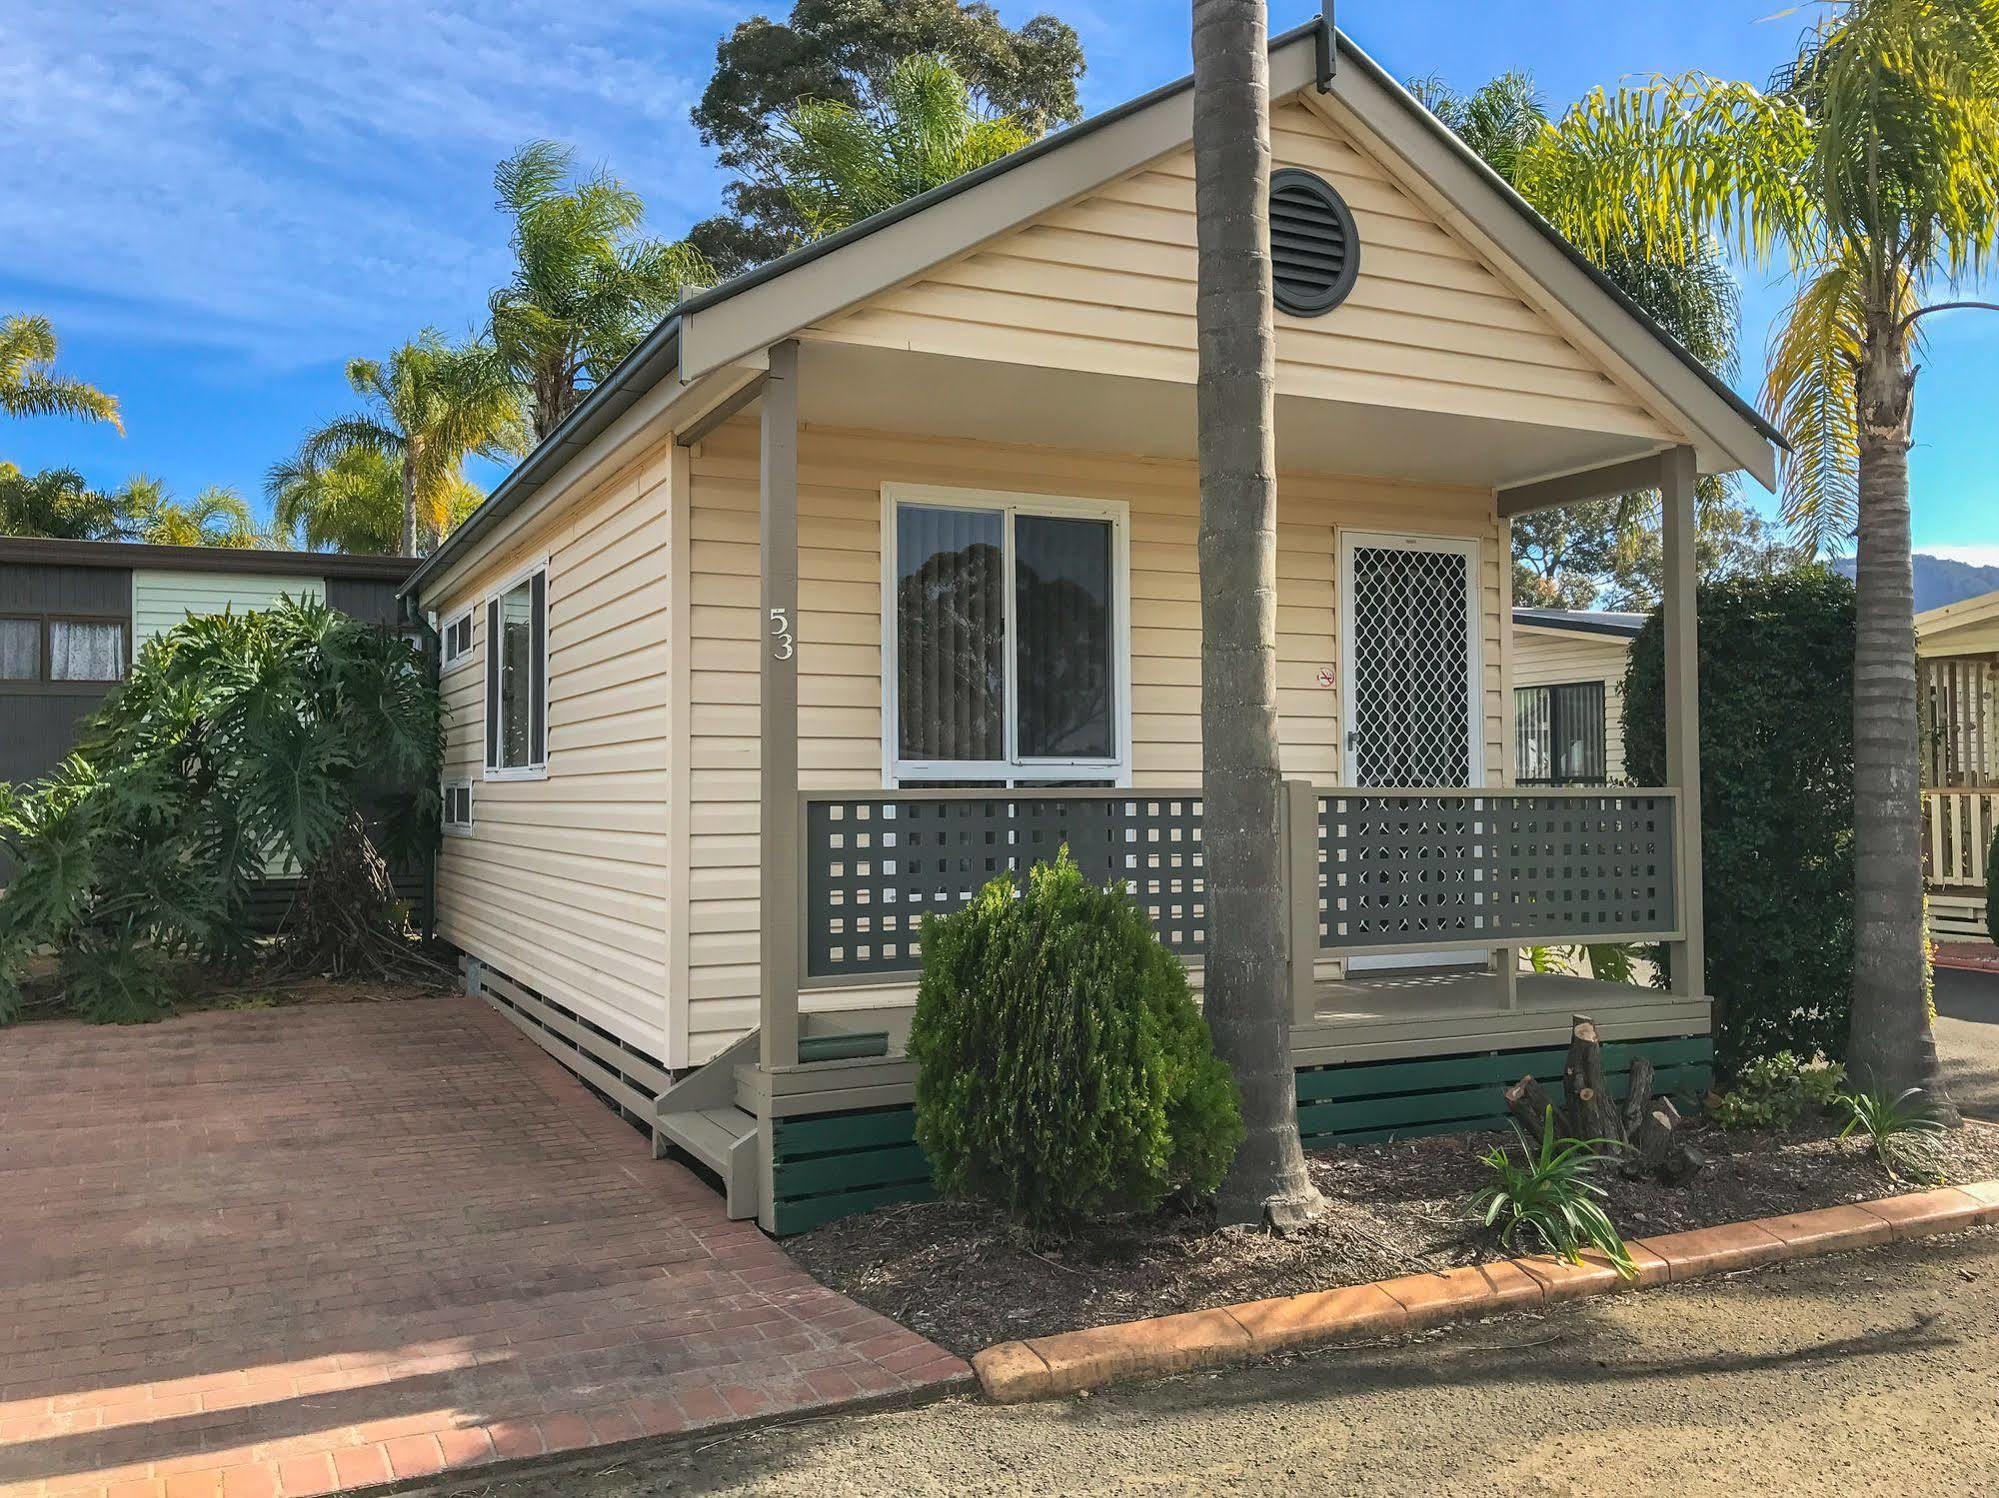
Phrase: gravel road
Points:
(1869, 1372)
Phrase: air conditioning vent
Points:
(1314, 248)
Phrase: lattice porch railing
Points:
(1414, 870)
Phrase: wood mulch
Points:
(957, 1274)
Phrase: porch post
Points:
(1683, 712)
(1301, 891)
(777, 821)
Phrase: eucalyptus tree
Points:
(429, 406)
(923, 127)
(29, 384)
(1872, 164)
(1245, 993)
(587, 283)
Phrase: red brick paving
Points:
(286, 1252)
(1972, 956)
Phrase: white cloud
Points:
(295, 182)
(1980, 555)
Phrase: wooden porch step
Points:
(725, 1140)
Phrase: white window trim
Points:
(538, 770)
(1466, 546)
(464, 828)
(451, 663)
(1014, 770)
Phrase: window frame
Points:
(534, 769)
(1013, 770)
(42, 683)
(456, 783)
(447, 662)
(1555, 724)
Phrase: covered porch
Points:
(1409, 903)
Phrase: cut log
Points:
(1592, 1110)
(1638, 1101)
(1529, 1104)
(1660, 1148)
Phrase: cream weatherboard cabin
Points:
(1957, 692)
(1568, 695)
(872, 573)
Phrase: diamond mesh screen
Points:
(1415, 870)
(1411, 669)
(876, 865)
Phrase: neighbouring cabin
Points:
(874, 574)
(1568, 695)
(75, 614)
(1957, 694)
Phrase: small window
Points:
(20, 650)
(86, 650)
(458, 806)
(456, 640)
(1558, 733)
(517, 679)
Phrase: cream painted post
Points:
(777, 716)
(1301, 888)
(1688, 957)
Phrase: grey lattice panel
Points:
(1408, 870)
(875, 866)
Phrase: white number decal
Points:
(780, 631)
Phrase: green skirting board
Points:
(833, 1165)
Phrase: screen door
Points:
(1409, 648)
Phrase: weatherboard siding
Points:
(839, 626)
(1107, 284)
(563, 883)
(162, 598)
(1553, 657)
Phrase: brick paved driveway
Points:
(290, 1251)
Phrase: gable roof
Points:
(774, 300)
(1582, 621)
(1974, 610)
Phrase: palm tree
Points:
(1873, 163)
(56, 503)
(1245, 995)
(29, 387)
(1686, 288)
(587, 286)
(432, 405)
(922, 128)
(216, 516)
(352, 504)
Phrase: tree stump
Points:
(1593, 1112)
(1649, 1127)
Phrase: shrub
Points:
(238, 739)
(1062, 1069)
(1552, 1194)
(1992, 889)
(1770, 1092)
(1899, 1129)
(1776, 683)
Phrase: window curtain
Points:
(950, 634)
(86, 650)
(20, 649)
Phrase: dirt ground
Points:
(955, 1273)
(1867, 1372)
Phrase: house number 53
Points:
(780, 633)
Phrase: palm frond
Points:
(28, 387)
(1810, 393)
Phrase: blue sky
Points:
(220, 202)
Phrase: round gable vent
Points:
(1314, 247)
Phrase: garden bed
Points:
(955, 1273)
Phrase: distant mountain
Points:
(1939, 580)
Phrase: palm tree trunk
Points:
(1889, 1044)
(406, 546)
(1245, 992)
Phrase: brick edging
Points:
(1040, 1367)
